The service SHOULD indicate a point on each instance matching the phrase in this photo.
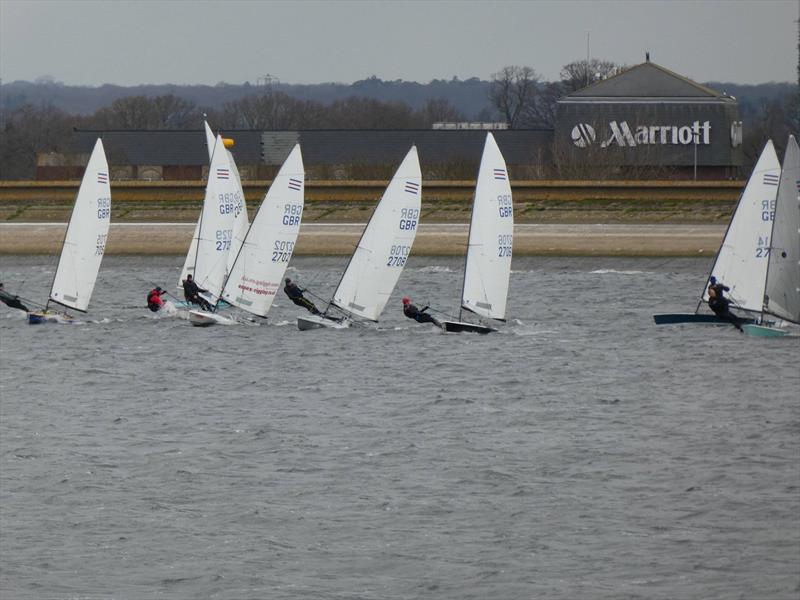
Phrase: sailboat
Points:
(741, 263)
(260, 263)
(84, 243)
(782, 282)
(240, 218)
(215, 236)
(489, 248)
(381, 253)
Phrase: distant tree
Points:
(143, 112)
(367, 113)
(582, 73)
(513, 92)
(27, 131)
(270, 110)
(437, 110)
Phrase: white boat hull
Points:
(200, 318)
(763, 330)
(319, 322)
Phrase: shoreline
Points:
(433, 239)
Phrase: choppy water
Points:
(582, 452)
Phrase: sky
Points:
(80, 42)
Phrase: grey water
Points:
(580, 452)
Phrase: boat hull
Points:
(319, 322)
(200, 318)
(763, 330)
(464, 327)
(40, 317)
(672, 319)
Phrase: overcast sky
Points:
(205, 42)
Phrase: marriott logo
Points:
(621, 134)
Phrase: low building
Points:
(648, 120)
(327, 153)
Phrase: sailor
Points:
(192, 293)
(719, 303)
(420, 316)
(11, 300)
(154, 301)
(296, 295)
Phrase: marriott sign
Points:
(621, 134)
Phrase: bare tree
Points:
(582, 73)
(438, 110)
(513, 91)
(142, 112)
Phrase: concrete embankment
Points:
(432, 239)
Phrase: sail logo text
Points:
(621, 134)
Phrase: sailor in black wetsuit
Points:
(296, 295)
(191, 291)
(719, 303)
(420, 316)
(11, 300)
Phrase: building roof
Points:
(647, 80)
(319, 146)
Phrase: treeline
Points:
(515, 95)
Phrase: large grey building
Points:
(648, 119)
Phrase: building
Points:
(327, 153)
(648, 120)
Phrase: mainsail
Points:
(384, 247)
(741, 262)
(782, 297)
(259, 265)
(491, 231)
(216, 223)
(85, 240)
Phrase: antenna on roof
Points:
(647, 56)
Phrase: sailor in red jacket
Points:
(154, 301)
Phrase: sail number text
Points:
(504, 244)
(103, 208)
(282, 251)
(398, 255)
(224, 238)
(762, 249)
(767, 210)
(409, 218)
(230, 202)
(100, 245)
(505, 205)
(292, 214)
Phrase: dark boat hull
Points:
(462, 327)
(672, 319)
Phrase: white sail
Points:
(741, 262)
(259, 266)
(491, 230)
(782, 297)
(85, 240)
(216, 223)
(241, 221)
(385, 245)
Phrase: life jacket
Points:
(154, 301)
